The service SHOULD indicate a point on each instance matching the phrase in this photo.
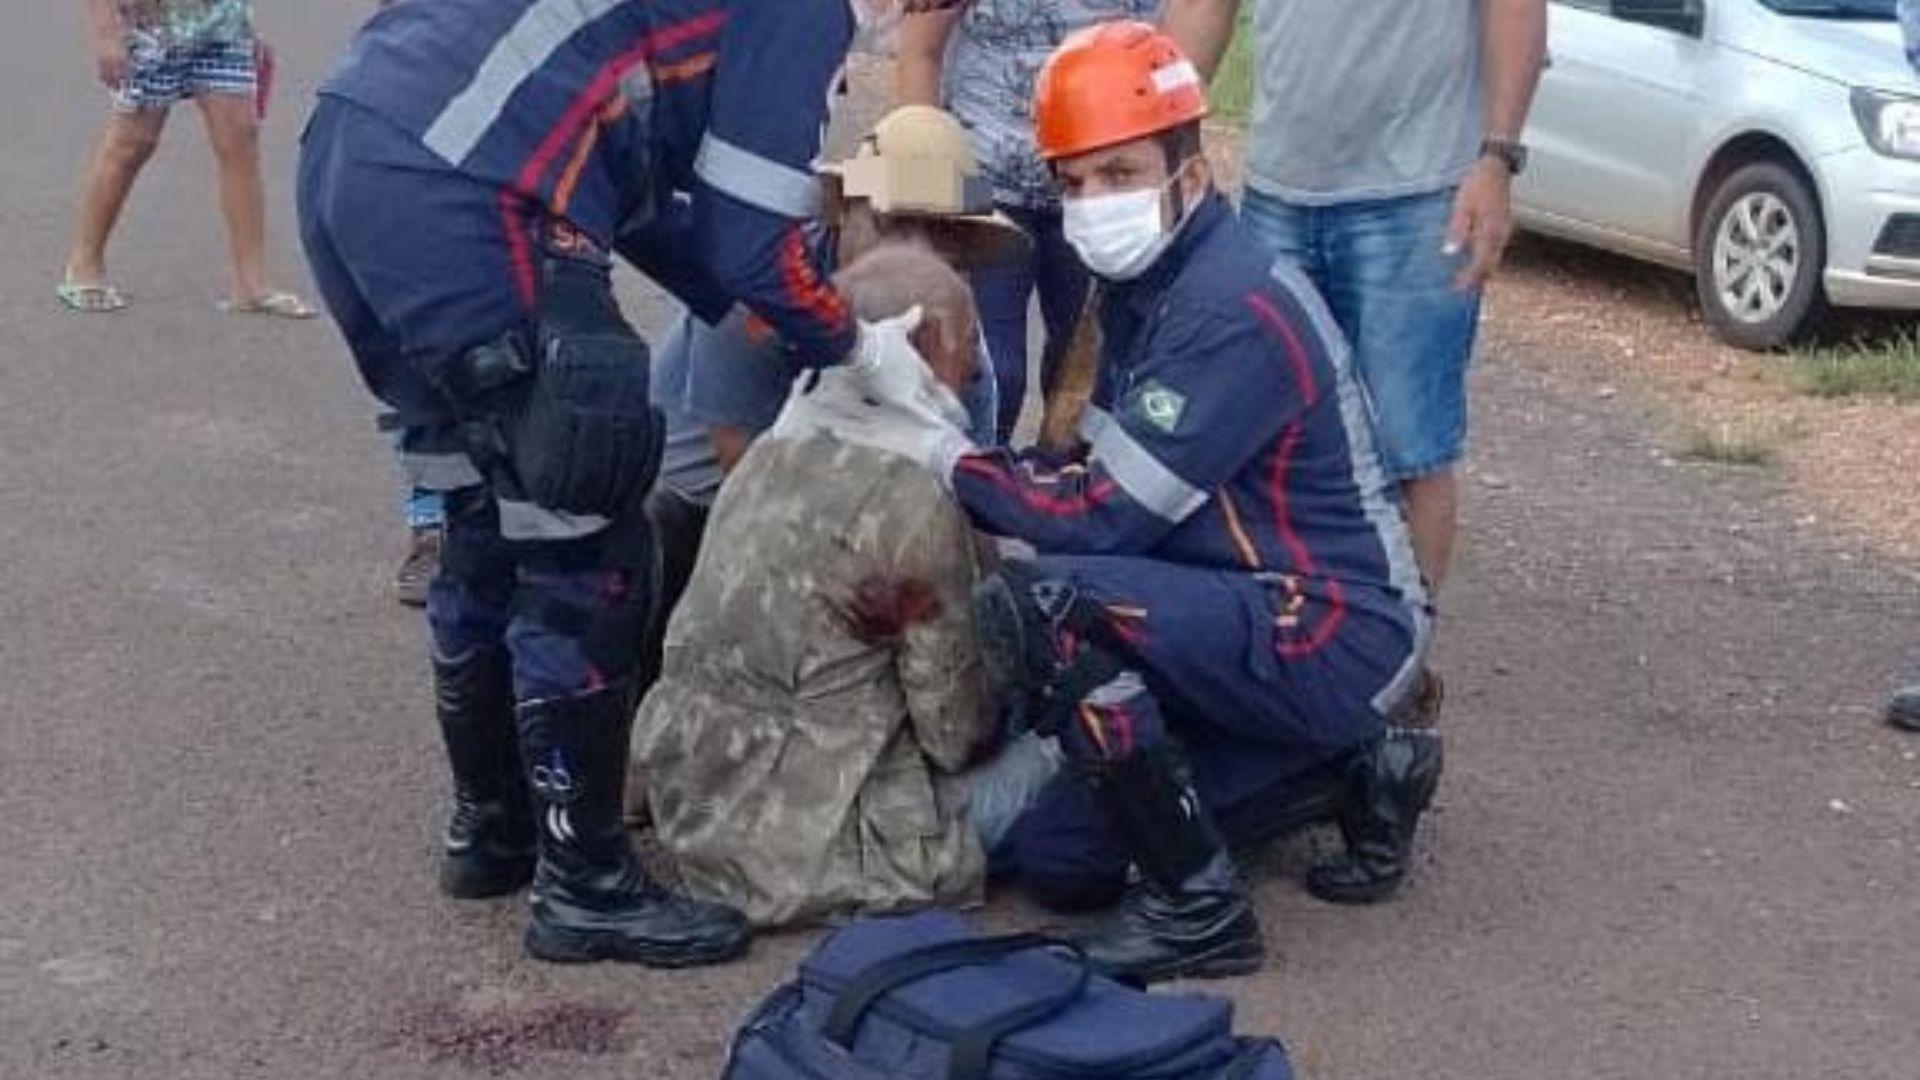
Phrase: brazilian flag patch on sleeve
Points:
(1158, 405)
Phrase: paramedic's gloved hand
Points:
(889, 367)
(924, 428)
(920, 433)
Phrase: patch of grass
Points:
(1733, 446)
(1885, 369)
(1231, 95)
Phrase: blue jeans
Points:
(1002, 294)
(1381, 268)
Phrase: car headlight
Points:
(1891, 123)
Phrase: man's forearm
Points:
(1513, 51)
(1203, 29)
(916, 80)
(919, 56)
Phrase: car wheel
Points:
(1758, 254)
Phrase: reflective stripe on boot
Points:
(592, 900)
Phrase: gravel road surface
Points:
(1672, 842)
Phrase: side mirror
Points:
(1687, 17)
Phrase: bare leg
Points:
(125, 147)
(1432, 516)
(235, 137)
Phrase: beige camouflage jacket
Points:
(792, 768)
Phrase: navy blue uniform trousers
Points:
(418, 264)
(1205, 672)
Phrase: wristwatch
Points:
(1508, 152)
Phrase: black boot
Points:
(1391, 782)
(592, 900)
(678, 526)
(1903, 711)
(1188, 915)
(489, 842)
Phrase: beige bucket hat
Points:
(918, 162)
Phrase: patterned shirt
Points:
(993, 58)
(797, 768)
(177, 23)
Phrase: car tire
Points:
(1759, 253)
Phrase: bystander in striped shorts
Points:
(159, 74)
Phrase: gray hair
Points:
(890, 279)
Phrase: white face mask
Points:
(1120, 235)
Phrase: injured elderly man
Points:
(810, 749)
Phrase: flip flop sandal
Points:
(277, 305)
(90, 299)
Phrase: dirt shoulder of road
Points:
(1625, 327)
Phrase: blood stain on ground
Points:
(502, 1040)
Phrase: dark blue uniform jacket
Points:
(605, 112)
(1226, 434)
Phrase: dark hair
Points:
(1179, 144)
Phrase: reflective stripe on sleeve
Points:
(755, 180)
(1093, 420)
(520, 52)
(1141, 475)
(530, 521)
(439, 472)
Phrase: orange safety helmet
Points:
(1111, 84)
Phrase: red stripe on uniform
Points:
(1277, 495)
(1090, 722)
(1129, 627)
(804, 286)
(1296, 547)
(1290, 342)
(603, 84)
(519, 246)
(1053, 505)
(1123, 727)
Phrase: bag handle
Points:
(973, 1048)
(1249, 1061)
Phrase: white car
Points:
(1771, 147)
